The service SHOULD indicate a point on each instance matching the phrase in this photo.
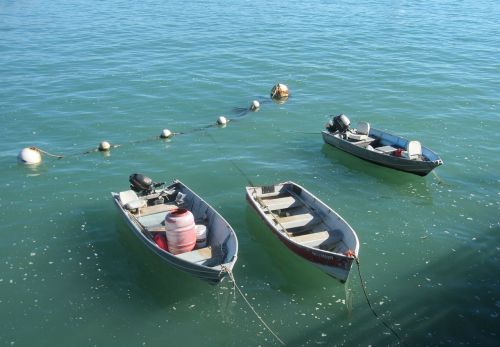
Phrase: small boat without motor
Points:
(380, 147)
(307, 226)
(145, 207)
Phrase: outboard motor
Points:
(141, 184)
(339, 123)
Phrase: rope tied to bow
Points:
(231, 277)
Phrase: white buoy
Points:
(255, 105)
(104, 146)
(165, 134)
(279, 91)
(29, 156)
(222, 120)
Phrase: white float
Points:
(255, 105)
(29, 156)
(104, 146)
(165, 134)
(222, 120)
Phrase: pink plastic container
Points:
(180, 230)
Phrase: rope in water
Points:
(233, 163)
(230, 273)
(241, 112)
(355, 258)
(440, 181)
(231, 276)
(47, 153)
(363, 286)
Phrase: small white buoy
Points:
(279, 91)
(29, 156)
(165, 134)
(104, 146)
(222, 120)
(255, 105)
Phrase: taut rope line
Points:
(371, 307)
(230, 274)
(233, 163)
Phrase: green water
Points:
(76, 73)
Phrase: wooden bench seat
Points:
(148, 210)
(280, 203)
(320, 239)
(294, 221)
(318, 236)
(159, 228)
(197, 255)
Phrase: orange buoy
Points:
(180, 230)
(279, 91)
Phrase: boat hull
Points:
(334, 264)
(420, 168)
(211, 275)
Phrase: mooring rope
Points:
(355, 258)
(230, 273)
(371, 307)
(97, 150)
(440, 181)
(241, 112)
(47, 153)
(231, 276)
(249, 180)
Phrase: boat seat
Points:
(158, 228)
(130, 201)
(280, 203)
(364, 143)
(414, 150)
(295, 220)
(199, 255)
(160, 208)
(361, 132)
(127, 196)
(316, 237)
(385, 149)
(208, 256)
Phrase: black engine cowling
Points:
(339, 123)
(140, 183)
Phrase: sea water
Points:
(74, 73)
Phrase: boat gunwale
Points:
(417, 167)
(282, 234)
(175, 261)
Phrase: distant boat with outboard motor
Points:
(179, 227)
(380, 147)
(307, 226)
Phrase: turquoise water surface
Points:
(74, 73)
